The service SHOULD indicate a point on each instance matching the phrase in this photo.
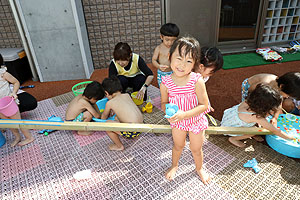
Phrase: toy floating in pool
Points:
(171, 109)
(289, 148)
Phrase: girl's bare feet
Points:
(26, 141)
(171, 172)
(16, 141)
(204, 176)
(236, 142)
(258, 138)
(114, 147)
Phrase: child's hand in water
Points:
(180, 115)
(163, 67)
(274, 121)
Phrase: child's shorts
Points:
(79, 118)
(161, 74)
(245, 89)
(130, 134)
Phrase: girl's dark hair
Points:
(263, 100)
(1, 60)
(122, 51)
(94, 90)
(169, 29)
(112, 85)
(289, 83)
(211, 57)
(190, 44)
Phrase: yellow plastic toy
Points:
(135, 100)
(148, 108)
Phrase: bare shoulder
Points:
(258, 78)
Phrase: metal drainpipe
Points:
(24, 41)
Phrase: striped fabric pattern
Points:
(186, 99)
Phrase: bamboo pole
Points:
(100, 126)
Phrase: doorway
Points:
(239, 23)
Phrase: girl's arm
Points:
(164, 96)
(11, 79)
(275, 117)
(267, 125)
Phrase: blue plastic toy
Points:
(252, 164)
(26, 86)
(2, 139)
(104, 120)
(53, 118)
(101, 104)
(286, 147)
(171, 109)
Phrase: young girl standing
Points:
(5, 79)
(187, 90)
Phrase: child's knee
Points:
(87, 116)
(178, 147)
(195, 149)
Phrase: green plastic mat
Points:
(253, 59)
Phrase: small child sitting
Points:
(292, 105)
(262, 102)
(288, 85)
(211, 61)
(83, 108)
(160, 59)
(123, 106)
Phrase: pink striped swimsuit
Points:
(186, 99)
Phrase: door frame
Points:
(243, 45)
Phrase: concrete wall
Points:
(196, 18)
(108, 22)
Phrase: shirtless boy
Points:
(83, 108)
(160, 59)
(125, 109)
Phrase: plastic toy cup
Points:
(8, 106)
(2, 139)
(135, 100)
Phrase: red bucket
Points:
(8, 106)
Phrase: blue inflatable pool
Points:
(286, 147)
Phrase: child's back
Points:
(268, 79)
(125, 109)
(75, 107)
(83, 107)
